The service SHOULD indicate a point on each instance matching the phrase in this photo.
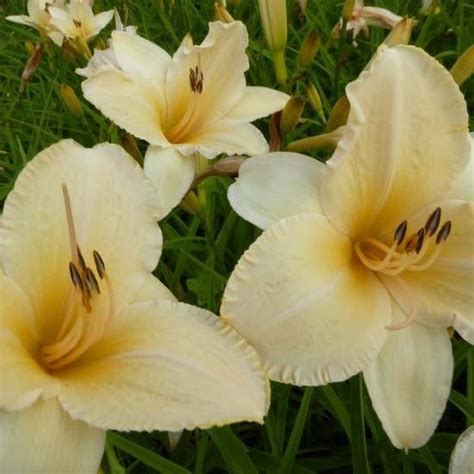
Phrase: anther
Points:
(433, 221)
(82, 262)
(196, 80)
(400, 233)
(92, 280)
(76, 277)
(420, 240)
(444, 232)
(77, 23)
(99, 264)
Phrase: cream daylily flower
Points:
(462, 458)
(39, 18)
(77, 20)
(90, 340)
(380, 239)
(362, 17)
(195, 102)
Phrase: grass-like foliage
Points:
(325, 429)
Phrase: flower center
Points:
(415, 253)
(80, 328)
(187, 122)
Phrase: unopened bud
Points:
(30, 47)
(130, 145)
(32, 64)
(325, 140)
(464, 67)
(71, 100)
(401, 34)
(221, 13)
(274, 23)
(100, 44)
(309, 49)
(347, 9)
(191, 204)
(315, 101)
(291, 114)
(339, 114)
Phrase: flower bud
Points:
(309, 49)
(130, 145)
(32, 64)
(347, 9)
(401, 33)
(325, 140)
(221, 13)
(71, 100)
(274, 23)
(339, 114)
(291, 114)
(464, 67)
(315, 101)
(30, 47)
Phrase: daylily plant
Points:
(90, 340)
(39, 18)
(367, 260)
(194, 103)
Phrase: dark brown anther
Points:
(92, 281)
(77, 23)
(99, 264)
(82, 262)
(400, 233)
(420, 239)
(444, 232)
(196, 80)
(76, 277)
(433, 221)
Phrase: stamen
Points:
(196, 79)
(70, 225)
(92, 280)
(444, 232)
(82, 262)
(77, 23)
(420, 240)
(99, 264)
(433, 221)
(400, 233)
(76, 277)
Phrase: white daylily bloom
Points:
(362, 17)
(462, 458)
(39, 18)
(77, 20)
(379, 239)
(194, 102)
(90, 340)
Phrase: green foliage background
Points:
(325, 429)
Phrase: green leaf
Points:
(146, 456)
(232, 450)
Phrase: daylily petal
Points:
(462, 458)
(410, 381)
(101, 20)
(153, 289)
(166, 366)
(298, 298)
(443, 292)
(225, 136)
(277, 185)
(258, 102)
(464, 188)
(45, 439)
(22, 20)
(140, 57)
(221, 58)
(411, 154)
(22, 380)
(171, 174)
(135, 105)
(114, 210)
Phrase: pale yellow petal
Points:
(228, 136)
(405, 145)
(443, 293)
(464, 188)
(171, 174)
(277, 185)
(140, 57)
(312, 314)
(44, 439)
(410, 381)
(166, 366)
(22, 380)
(114, 209)
(153, 289)
(221, 58)
(462, 458)
(257, 102)
(133, 104)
